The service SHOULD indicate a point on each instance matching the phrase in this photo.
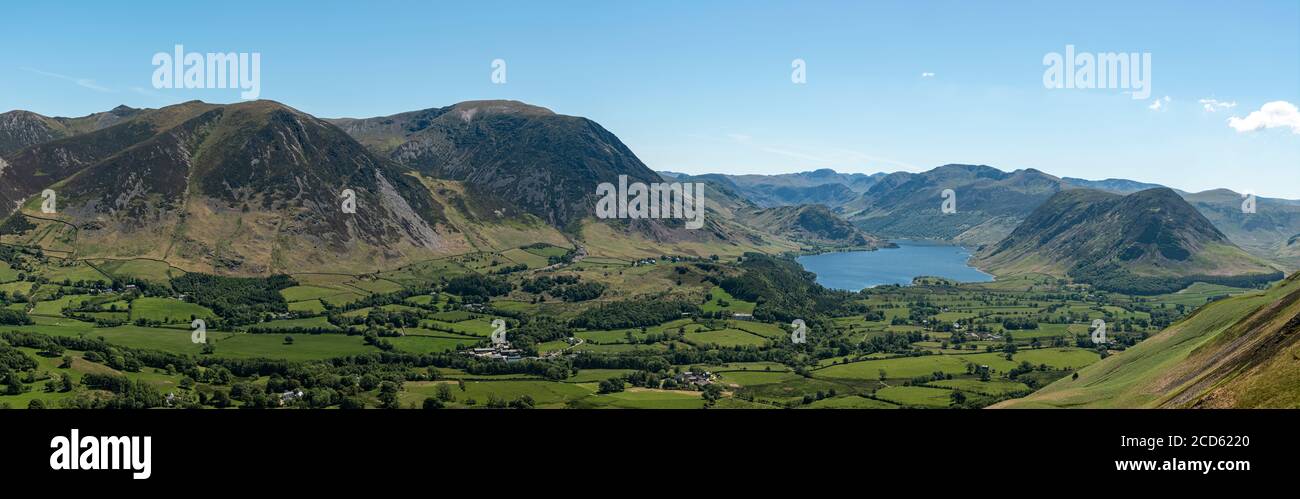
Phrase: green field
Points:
(725, 338)
(724, 301)
(544, 393)
(850, 402)
(915, 396)
(167, 310)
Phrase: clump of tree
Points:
(238, 300)
(784, 291)
(633, 313)
(477, 288)
(565, 287)
(14, 318)
(13, 359)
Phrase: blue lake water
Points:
(854, 270)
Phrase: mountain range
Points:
(258, 187)
(991, 203)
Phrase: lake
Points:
(854, 270)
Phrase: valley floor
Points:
(936, 344)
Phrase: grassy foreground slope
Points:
(1236, 352)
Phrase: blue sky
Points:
(706, 86)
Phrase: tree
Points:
(712, 392)
(388, 396)
(369, 382)
(220, 399)
(288, 340)
(15, 385)
(36, 404)
(443, 392)
(524, 401)
(432, 403)
(352, 403)
(958, 398)
(611, 385)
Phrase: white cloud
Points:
(927, 74)
(1276, 114)
(1159, 104)
(739, 137)
(1212, 105)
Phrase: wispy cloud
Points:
(927, 74)
(1212, 105)
(82, 82)
(1159, 104)
(1276, 114)
(858, 156)
(789, 153)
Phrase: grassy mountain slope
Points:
(1148, 242)
(1236, 352)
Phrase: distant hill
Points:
(1265, 233)
(1115, 185)
(825, 186)
(19, 129)
(1237, 352)
(989, 203)
(1148, 242)
(813, 224)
